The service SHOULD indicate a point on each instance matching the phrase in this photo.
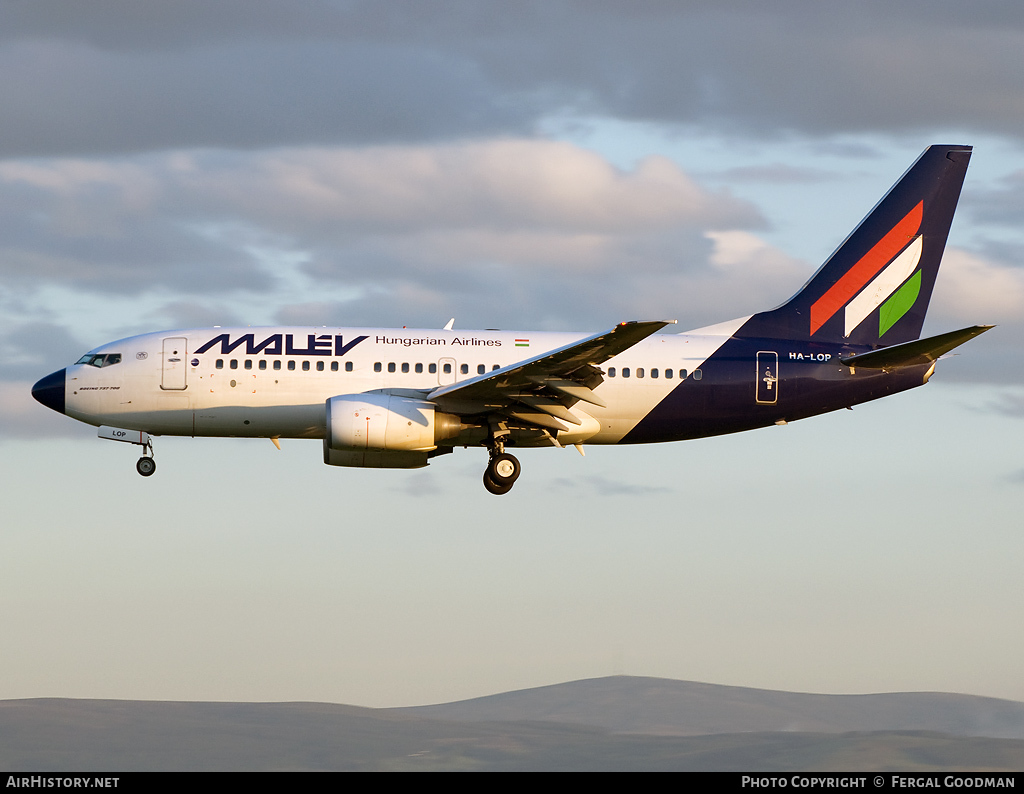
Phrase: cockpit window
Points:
(100, 359)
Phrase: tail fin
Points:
(874, 290)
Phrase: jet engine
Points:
(380, 430)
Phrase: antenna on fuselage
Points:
(451, 322)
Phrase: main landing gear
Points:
(501, 473)
(502, 469)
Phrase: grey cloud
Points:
(1002, 205)
(135, 76)
(71, 100)
(114, 228)
(501, 184)
(603, 486)
(776, 173)
(34, 349)
(189, 314)
(465, 220)
(421, 484)
(1009, 405)
(22, 417)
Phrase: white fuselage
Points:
(275, 381)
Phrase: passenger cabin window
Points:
(405, 368)
(419, 369)
(219, 364)
(277, 364)
(611, 372)
(697, 374)
(263, 363)
(639, 372)
(391, 366)
(432, 369)
(376, 366)
(248, 363)
(305, 366)
(668, 373)
(348, 366)
(654, 372)
(334, 366)
(291, 365)
(464, 369)
(480, 369)
(447, 369)
(233, 363)
(319, 366)
(625, 372)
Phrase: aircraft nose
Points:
(50, 391)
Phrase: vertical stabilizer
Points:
(874, 290)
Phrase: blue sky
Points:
(556, 166)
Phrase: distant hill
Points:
(662, 706)
(618, 723)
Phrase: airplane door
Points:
(175, 364)
(446, 371)
(767, 378)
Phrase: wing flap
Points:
(570, 388)
(549, 406)
(539, 391)
(576, 362)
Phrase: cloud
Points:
(130, 77)
(777, 174)
(69, 97)
(1000, 205)
(503, 184)
(598, 485)
(1009, 404)
(31, 350)
(22, 417)
(111, 226)
(410, 230)
(975, 289)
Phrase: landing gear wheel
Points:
(501, 473)
(504, 469)
(145, 466)
(493, 487)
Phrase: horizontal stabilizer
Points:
(912, 354)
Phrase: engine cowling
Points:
(386, 422)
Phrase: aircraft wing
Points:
(538, 391)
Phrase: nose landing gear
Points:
(146, 466)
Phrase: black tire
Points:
(504, 469)
(493, 487)
(146, 466)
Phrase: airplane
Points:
(397, 398)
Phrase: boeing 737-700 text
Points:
(390, 398)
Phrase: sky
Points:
(557, 166)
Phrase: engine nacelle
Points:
(386, 422)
